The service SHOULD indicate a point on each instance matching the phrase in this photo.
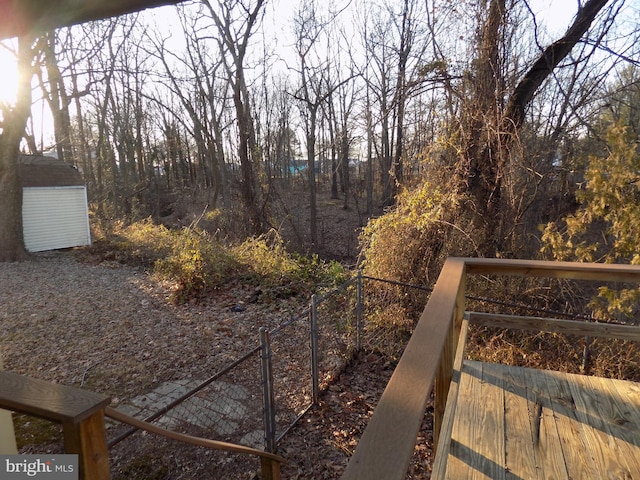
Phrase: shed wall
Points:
(55, 217)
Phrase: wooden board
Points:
(567, 327)
(605, 421)
(521, 427)
(48, 400)
(518, 423)
(560, 435)
(465, 429)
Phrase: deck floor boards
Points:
(516, 423)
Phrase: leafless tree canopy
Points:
(232, 105)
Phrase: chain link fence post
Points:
(267, 384)
(315, 381)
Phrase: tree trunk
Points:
(236, 42)
(491, 130)
(344, 165)
(57, 99)
(481, 174)
(385, 158)
(331, 121)
(311, 165)
(401, 95)
(369, 177)
(248, 183)
(15, 120)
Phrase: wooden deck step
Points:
(518, 423)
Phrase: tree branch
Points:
(549, 59)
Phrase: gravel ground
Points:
(111, 328)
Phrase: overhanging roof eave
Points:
(20, 17)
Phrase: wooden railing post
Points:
(442, 384)
(386, 446)
(7, 435)
(88, 440)
(80, 412)
(445, 367)
(270, 469)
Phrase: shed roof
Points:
(41, 171)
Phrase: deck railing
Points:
(387, 444)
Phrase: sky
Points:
(554, 14)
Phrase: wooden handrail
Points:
(387, 444)
(270, 462)
(51, 401)
(607, 272)
(82, 414)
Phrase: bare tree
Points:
(315, 88)
(14, 121)
(345, 99)
(395, 45)
(194, 80)
(55, 93)
(311, 95)
(236, 21)
(491, 125)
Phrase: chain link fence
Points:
(291, 367)
(257, 399)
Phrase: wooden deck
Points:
(518, 423)
(524, 424)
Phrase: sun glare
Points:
(8, 75)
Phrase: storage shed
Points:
(54, 204)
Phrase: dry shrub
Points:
(141, 243)
(548, 351)
(409, 244)
(546, 298)
(195, 262)
(268, 260)
(601, 357)
(615, 359)
(410, 241)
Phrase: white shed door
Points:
(55, 217)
